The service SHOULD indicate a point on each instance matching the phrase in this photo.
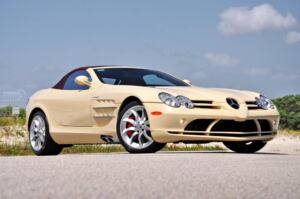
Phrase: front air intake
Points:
(198, 125)
(234, 126)
(265, 125)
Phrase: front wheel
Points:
(133, 130)
(245, 147)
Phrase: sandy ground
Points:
(13, 134)
(283, 144)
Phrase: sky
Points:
(248, 45)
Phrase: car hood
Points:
(212, 94)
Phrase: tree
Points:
(6, 111)
(289, 109)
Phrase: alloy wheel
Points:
(135, 128)
(37, 133)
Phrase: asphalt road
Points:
(160, 175)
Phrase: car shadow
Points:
(221, 152)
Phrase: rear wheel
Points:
(245, 147)
(39, 136)
(133, 130)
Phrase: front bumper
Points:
(171, 125)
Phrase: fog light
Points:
(182, 121)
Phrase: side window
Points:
(109, 80)
(70, 83)
(153, 79)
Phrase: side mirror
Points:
(187, 81)
(82, 81)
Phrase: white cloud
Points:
(293, 37)
(221, 59)
(239, 20)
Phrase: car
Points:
(143, 110)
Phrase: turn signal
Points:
(156, 113)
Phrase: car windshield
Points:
(137, 77)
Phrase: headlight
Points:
(184, 101)
(264, 103)
(169, 99)
(176, 102)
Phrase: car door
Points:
(71, 105)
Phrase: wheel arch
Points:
(34, 111)
(128, 100)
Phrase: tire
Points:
(245, 147)
(134, 131)
(39, 137)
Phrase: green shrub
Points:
(6, 111)
(289, 109)
(21, 121)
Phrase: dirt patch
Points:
(13, 134)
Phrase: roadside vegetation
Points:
(6, 118)
(13, 135)
(289, 109)
(24, 149)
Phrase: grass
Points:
(97, 148)
(16, 149)
(195, 147)
(24, 149)
(9, 121)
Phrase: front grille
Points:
(208, 104)
(205, 104)
(251, 105)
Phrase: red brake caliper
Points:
(129, 133)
